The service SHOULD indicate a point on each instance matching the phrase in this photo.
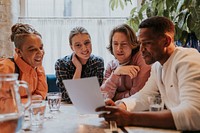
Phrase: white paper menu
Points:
(85, 94)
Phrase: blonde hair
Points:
(75, 31)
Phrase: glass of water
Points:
(54, 100)
(113, 124)
(155, 103)
(37, 110)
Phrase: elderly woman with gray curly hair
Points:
(27, 60)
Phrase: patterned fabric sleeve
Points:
(100, 70)
(110, 81)
(139, 80)
(62, 71)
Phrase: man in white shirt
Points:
(175, 75)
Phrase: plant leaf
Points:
(169, 3)
(197, 3)
(154, 4)
(194, 21)
(160, 9)
(166, 13)
(143, 7)
(178, 33)
(140, 16)
(121, 4)
(195, 12)
(143, 2)
(180, 4)
(149, 12)
(190, 22)
(197, 30)
(133, 11)
(116, 3)
(187, 3)
(183, 37)
(182, 18)
(112, 4)
(134, 23)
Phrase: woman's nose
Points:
(119, 47)
(84, 47)
(41, 51)
(142, 48)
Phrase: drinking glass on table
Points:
(54, 100)
(113, 124)
(37, 110)
(155, 103)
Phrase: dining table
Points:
(69, 120)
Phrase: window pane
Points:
(44, 8)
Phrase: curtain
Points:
(55, 32)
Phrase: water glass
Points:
(37, 111)
(54, 100)
(27, 119)
(113, 127)
(113, 124)
(155, 103)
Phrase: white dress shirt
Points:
(178, 81)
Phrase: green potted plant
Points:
(184, 13)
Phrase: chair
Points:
(51, 81)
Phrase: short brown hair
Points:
(128, 31)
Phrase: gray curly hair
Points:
(20, 32)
